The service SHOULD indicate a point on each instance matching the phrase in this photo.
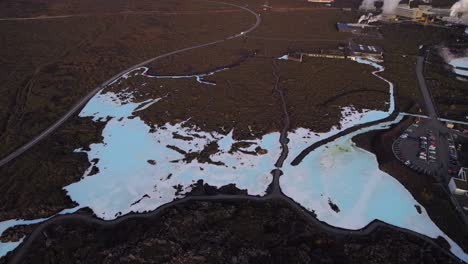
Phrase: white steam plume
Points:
(388, 5)
(460, 8)
(367, 5)
(446, 54)
(459, 12)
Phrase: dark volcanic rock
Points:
(224, 232)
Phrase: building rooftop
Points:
(460, 184)
(321, 1)
(343, 27)
(361, 48)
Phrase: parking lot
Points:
(418, 147)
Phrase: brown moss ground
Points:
(229, 232)
(450, 95)
(31, 185)
(401, 45)
(34, 8)
(306, 30)
(49, 64)
(244, 98)
(317, 89)
(307, 24)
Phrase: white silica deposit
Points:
(350, 177)
(301, 138)
(136, 164)
(460, 66)
(6, 247)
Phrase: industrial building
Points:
(414, 13)
(353, 28)
(321, 1)
(358, 29)
(459, 188)
(442, 12)
(365, 50)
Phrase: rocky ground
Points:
(58, 69)
(401, 45)
(224, 232)
(49, 64)
(449, 93)
(32, 184)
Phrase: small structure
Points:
(365, 50)
(441, 12)
(353, 28)
(321, 1)
(421, 12)
(458, 185)
(408, 12)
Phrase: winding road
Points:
(22, 249)
(274, 190)
(85, 99)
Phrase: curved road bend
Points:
(298, 159)
(85, 99)
(274, 194)
(19, 253)
(22, 249)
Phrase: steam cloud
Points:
(459, 10)
(446, 54)
(388, 5)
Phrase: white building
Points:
(415, 13)
(407, 12)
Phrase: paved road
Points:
(20, 252)
(84, 100)
(428, 103)
(276, 193)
